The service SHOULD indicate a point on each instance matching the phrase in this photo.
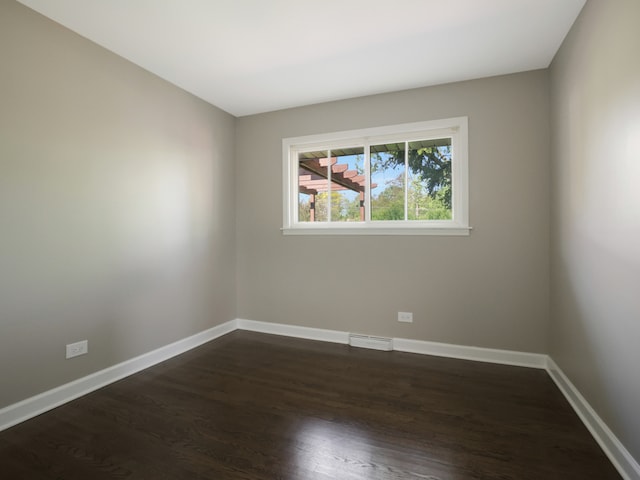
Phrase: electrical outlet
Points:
(78, 348)
(405, 317)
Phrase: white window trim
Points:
(456, 128)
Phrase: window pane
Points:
(429, 180)
(387, 181)
(312, 186)
(347, 184)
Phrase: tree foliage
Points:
(389, 204)
(342, 208)
(432, 164)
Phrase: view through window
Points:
(414, 179)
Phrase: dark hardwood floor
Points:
(252, 406)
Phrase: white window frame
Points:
(454, 128)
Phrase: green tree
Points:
(304, 208)
(432, 164)
(343, 209)
(389, 204)
(423, 205)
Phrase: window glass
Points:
(388, 176)
(312, 183)
(429, 180)
(347, 185)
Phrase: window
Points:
(403, 179)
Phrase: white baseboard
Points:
(373, 343)
(506, 357)
(626, 465)
(33, 406)
(323, 335)
(478, 354)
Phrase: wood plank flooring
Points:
(252, 406)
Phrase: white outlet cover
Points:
(405, 317)
(78, 348)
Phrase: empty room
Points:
(304, 239)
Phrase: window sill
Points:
(368, 230)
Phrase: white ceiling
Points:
(251, 56)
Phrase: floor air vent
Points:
(365, 341)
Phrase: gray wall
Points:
(595, 81)
(489, 289)
(116, 207)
